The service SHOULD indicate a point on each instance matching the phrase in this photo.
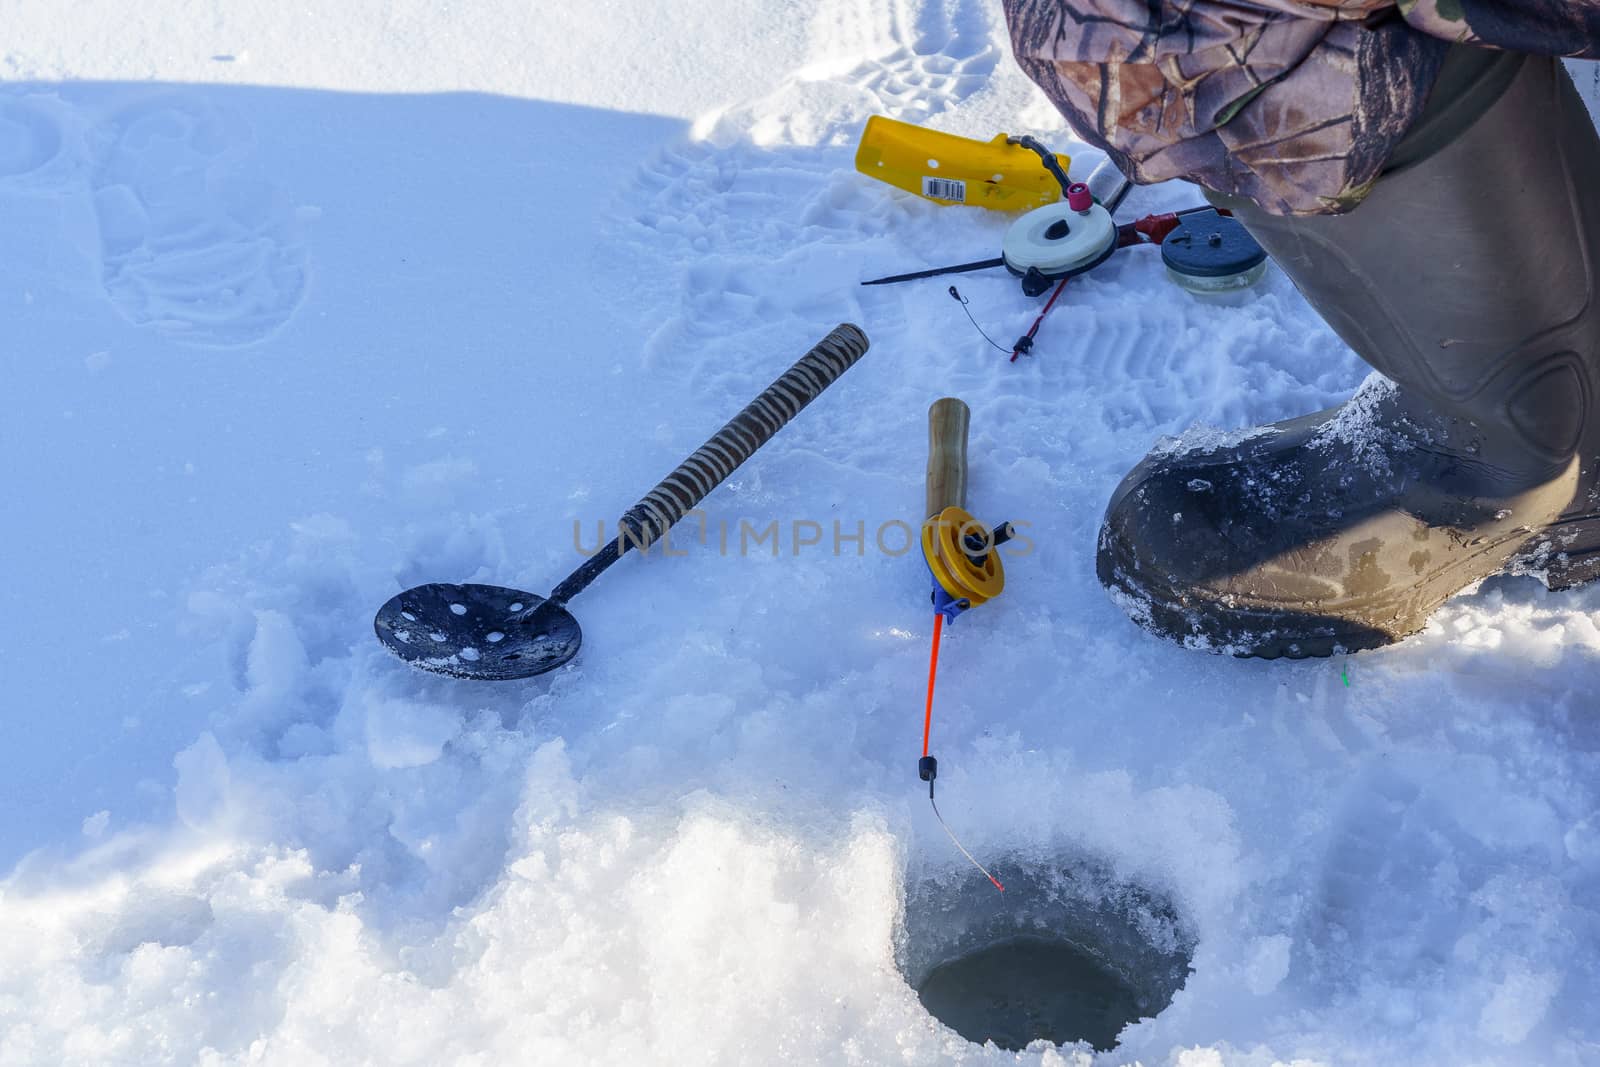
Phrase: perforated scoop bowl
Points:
(484, 632)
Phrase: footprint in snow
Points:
(740, 246)
(906, 65)
(31, 138)
(1395, 888)
(192, 242)
(751, 233)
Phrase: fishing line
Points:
(929, 765)
(963, 302)
(958, 843)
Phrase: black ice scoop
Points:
(491, 633)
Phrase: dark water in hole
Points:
(1071, 951)
(1019, 990)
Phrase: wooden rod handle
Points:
(947, 455)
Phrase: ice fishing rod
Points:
(963, 562)
(491, 633)
(1204, 249)
(1032, 268)
(1045, 245)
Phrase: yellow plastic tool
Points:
(948, 169)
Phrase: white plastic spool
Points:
(1057, 240)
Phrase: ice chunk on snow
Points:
(408, 733)
(1518, 1004)
(277, 659)
(1268, 963)
(203, 781)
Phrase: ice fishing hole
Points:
(1069, 952)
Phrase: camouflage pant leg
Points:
(1295, 104)
(1569, 28)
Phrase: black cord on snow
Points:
(963, 302)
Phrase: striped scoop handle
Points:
(678, 493)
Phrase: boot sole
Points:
(1271, 633)
(1573, 558)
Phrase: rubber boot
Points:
(1467, 278)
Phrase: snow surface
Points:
(305, 308)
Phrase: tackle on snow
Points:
(1069, 229)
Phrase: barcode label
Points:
(944, 189)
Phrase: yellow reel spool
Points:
(948, 169)
(956, 574)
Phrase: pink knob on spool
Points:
(1079, 198)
